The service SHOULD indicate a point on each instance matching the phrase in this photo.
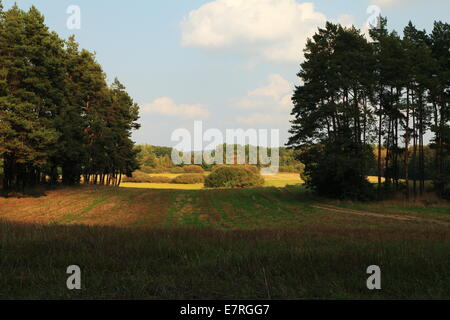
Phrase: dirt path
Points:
(379, 215)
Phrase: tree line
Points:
(391, 92)
(156, 159)
(60, 121)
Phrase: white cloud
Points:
(345, 20)
(388, 2)
(167, 107)
(276, 87)
(403, 3)
(265, 119)
(276, 93)
(275, 30)
(392, 3)
(272, 100)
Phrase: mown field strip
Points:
(378, 215)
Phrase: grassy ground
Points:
(277, 180)
(265, 243)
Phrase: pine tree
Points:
(440, 99)
(332, 125)
(421, 70)
(57, 113)
(24, 111)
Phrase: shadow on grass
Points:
(139, 263)
(41, 190)
(36, 192)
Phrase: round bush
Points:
(191, 178)
(176, 170)
(159, 180)
(141, 177)
(193, 169)
(151, 170)
(147, 169)
(138, 176)
(250, 167)
(233, 177)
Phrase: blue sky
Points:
(230, 63)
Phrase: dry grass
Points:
(279, 180)
(166, 186)
(235, 209)
(220, 244)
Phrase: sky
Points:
(229, 63)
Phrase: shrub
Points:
(217, 166)
(160, 180)
(250, 167)
(176, 170)
(190, 178)
(193, 169)
(336, 169)
(233, 177)
(151, 170)
(147, 169)
(141, 177)
(138, 176)
(293, 168)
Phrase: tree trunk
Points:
(406, 154)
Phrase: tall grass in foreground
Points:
(310, 263)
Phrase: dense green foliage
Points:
(233, 177)
(387, 91)
(193, 169)
(429, 167)
(333, 172)
(141, 177)
(189, 178)
(153, 159)
(250, 167)
(59, 120)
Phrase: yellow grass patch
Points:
(374, 179)
(277, 180)
(169, 186)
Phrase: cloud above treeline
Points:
(403, 3)
(270, 104)
(168, 107)
(276, 92)
(275, 30)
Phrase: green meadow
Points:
(261, 243)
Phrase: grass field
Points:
(264, 243)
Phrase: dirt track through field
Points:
(379, 215)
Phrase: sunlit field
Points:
(98, 103)
(279, 180)
(259, 243)
(196, 186)
(373, 179)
